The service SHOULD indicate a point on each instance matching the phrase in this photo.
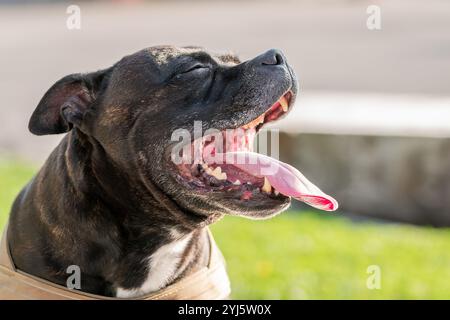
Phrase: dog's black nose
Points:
(272, 57)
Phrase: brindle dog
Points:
(109, 199)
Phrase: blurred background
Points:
(371, 127)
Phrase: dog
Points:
(110, 198)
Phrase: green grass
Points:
(14, 174)
(312, 256)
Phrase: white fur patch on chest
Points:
(162, 268)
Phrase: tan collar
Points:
(210, 283)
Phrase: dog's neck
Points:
(162, 243)
(125, 241)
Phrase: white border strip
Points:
(369, 114)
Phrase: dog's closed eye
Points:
(196, 67)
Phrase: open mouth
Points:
(225, 162)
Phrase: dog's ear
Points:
(65, 103)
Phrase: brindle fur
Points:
(106, 198)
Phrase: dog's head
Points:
(145, 109)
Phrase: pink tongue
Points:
(284, 178)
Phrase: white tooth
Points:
(284, 103)
(261, 119)
(254, 123)
(209, 171)
(204, 166)
(276, 192)
(267, 187)
(217, 173)
(237, 182)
